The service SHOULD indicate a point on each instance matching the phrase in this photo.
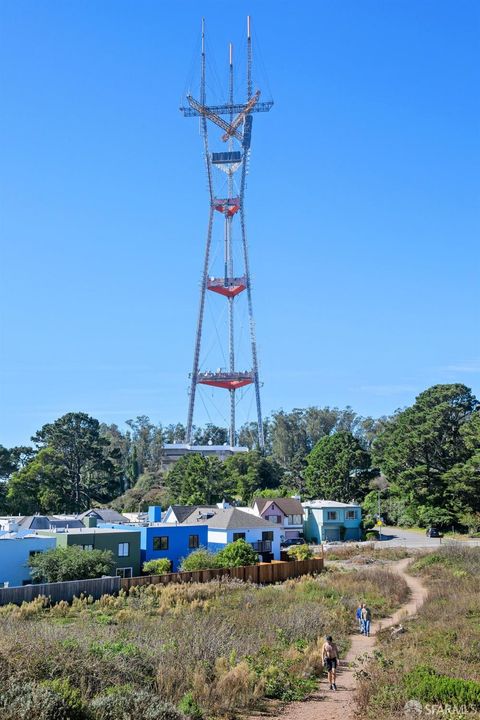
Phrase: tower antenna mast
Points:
(237, 134)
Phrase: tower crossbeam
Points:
(227, 109)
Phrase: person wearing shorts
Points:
(330, 660)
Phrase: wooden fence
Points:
(260, 574)
(61, 590)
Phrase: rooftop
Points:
(185, 447)
(83, 531)
(289, 506)
(328, 504)
(230, 519)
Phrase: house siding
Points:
(14, 555)
(319, 528)
(107, 541)
(178, 541)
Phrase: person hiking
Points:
(366, 620)
(358, 615)
(330, 660)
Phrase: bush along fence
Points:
(260, 574)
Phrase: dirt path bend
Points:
(327, 705)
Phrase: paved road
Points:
(399, 537)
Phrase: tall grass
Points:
(440, 651)
(218, 647)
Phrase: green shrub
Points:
(299, 552)
(133, 705)
(237, 554)
(70, 563)
(110, 649)
(371, 535)
(426, 685)
(275, 671)
(157, 567)
(70, 695)
(34, 701)
(188, 706)
(201, 559)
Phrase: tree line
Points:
(424, 460)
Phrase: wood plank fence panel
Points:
(61, 591)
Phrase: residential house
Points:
(286, 512)
(327, 520)
(15, 551)
(106, 515)
(122, 543)
(228, 525)
(165, 540)
(160, 540)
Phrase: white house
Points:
(228, 525)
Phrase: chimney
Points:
(91, 522)
(154, 514)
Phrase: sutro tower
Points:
(235, 119)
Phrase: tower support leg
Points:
(261, 437)
(198, 337)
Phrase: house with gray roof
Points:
(226, 525)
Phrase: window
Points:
(124, 572)
(273, 518)
(34, 552)
(123, 549)
(193, 541)
(331, 515)
(267, 535)
(351, 514)
(90, 547)
(295, 519)
(160, 542)
(238, 536)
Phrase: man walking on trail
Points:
(359, 618)
(366, 620)
(330, 660)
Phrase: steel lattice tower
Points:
(237, 136)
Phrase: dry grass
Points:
(227, 645)
(445, 636)
(366, 553)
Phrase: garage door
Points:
(331, 534)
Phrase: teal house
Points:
(329, 521)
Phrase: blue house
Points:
(164, 540)
(15, 551)
(328, 521)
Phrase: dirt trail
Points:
(327, 705)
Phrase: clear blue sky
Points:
(362, 205)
